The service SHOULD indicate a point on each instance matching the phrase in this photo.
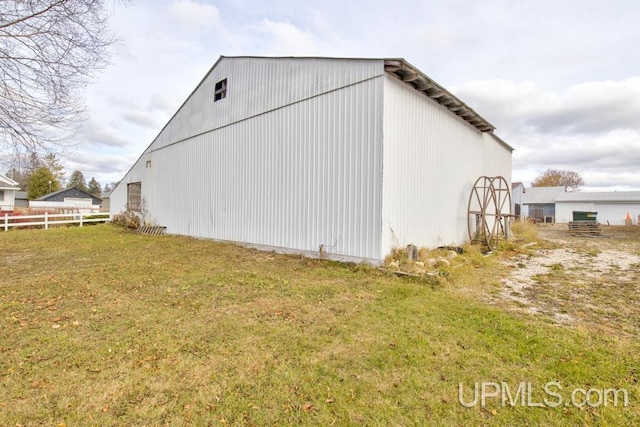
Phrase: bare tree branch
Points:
(49, 51)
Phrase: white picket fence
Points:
(48, 219)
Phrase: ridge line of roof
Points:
(65, 189)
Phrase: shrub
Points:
(127, 219)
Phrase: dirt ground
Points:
(593, 282)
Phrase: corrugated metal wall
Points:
(496, 158)
(431, 161)
(611, 213)
(564, 211)
(303, 170)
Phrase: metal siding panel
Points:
(616, 213)
(496, 158)
(431, 160)
(564, 211)
(295, 177)
(608, 213)
(258, 85)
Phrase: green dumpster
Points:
(584, 216)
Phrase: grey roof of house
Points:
(600, 196)
(542, 195)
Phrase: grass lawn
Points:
(99, 326)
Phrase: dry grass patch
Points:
(103, 327)
(590, 282)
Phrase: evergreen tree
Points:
(77, 180)
(94, 187)
(41, 182)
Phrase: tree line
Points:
(39, 176)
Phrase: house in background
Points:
(68, 200)
(8, 188)
(539, 203)
(346, 157)
(612, 206)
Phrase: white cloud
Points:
(164, 103)
(285, 39)
(585, 108)
(96, 133)
(590, 127)
(193, 16)
(105, 168)
(141, 118)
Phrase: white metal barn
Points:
(356, 156)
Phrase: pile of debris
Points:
(585, 228)
(584, 224)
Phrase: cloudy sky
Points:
(560, 80)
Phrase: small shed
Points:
(612, 206)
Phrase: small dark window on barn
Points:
(221, 90)
(1, 195)
(148, 164)
(134, 196)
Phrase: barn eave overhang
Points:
(415, 78)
